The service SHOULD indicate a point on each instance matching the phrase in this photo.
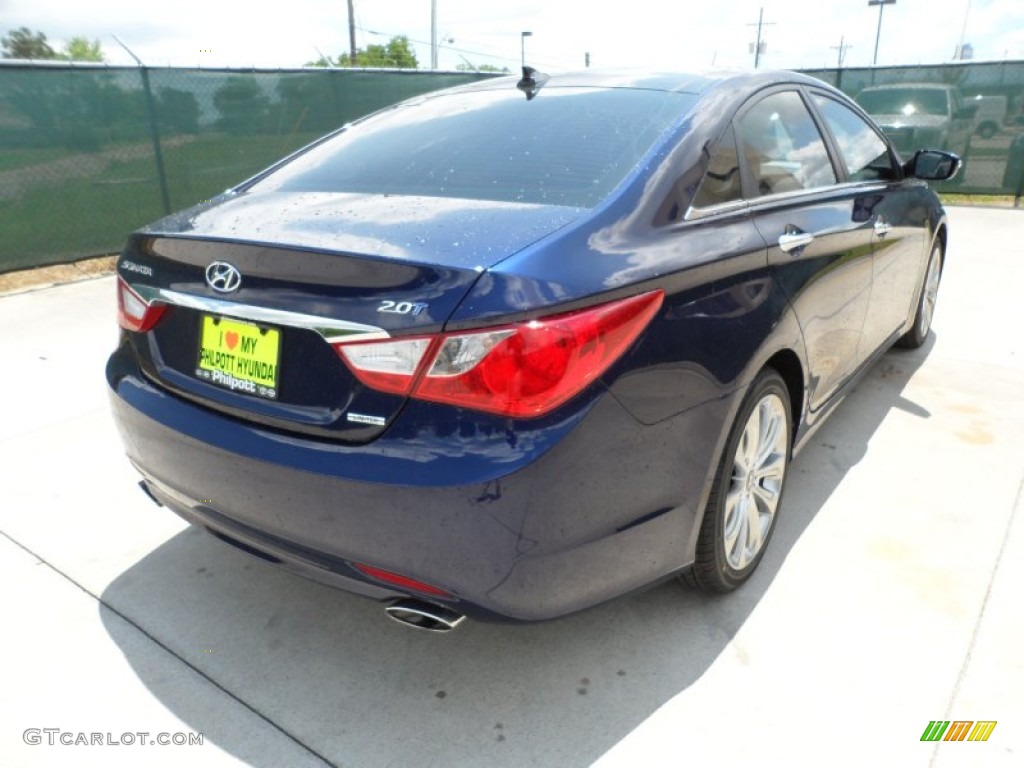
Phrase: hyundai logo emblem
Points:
(223, 277)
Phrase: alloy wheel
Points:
(758, 470)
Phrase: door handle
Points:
(793, 239)
(882, 227)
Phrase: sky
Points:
(657, 34)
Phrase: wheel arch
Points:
(942, 236)
(787, 364)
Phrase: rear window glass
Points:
(568, 146)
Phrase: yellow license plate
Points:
(239, 356)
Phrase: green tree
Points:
(82, 49)
(178, 110)
(323, 61)
(242, 105)
(23, 43)
(307, 103)
(397, 53)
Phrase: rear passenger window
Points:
(721, 182)
(783, 147)
(865, 153)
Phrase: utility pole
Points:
(878, 35)
(759, 46)
(842, 48)
(353, 55)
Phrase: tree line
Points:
(23, 43)
(397, 53)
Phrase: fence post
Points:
(1013, 176)
(154, 133)
(338, 114)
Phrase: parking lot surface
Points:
(890, 595)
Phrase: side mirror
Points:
(966, 113)
(933, 165)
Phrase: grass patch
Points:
(997, 201)
(207, 166)
(78, 217)
(10, 159)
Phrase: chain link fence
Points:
(89, 153)
(973, 109)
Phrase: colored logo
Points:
(959, 730)
(223, 277)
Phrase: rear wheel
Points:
(741, 511)
(918, 332)
(987, 130)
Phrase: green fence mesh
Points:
(973, 109)
(88, 154)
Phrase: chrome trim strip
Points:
(331, 329)
(695, 214)
(824, 193)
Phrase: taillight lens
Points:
(522, 370)
(133, 312)
(389, 366)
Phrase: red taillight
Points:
(398, 580)
(522, 370)
(133, 312)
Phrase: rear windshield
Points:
(568, 146)
(904, 101)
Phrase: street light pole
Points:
(959, 55)
(433, 34)
(522, 46)
(878, 35)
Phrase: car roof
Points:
(678, 82)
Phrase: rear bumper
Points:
(517, 525)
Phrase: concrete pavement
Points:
(890, 595)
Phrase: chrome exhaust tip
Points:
(423, 615)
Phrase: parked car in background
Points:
(990, 115)
(1015, 113)
(480, 354)
(921, 116)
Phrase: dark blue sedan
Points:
(513, 349)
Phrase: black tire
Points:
(712, 570)
(987, 130)
(918, 332)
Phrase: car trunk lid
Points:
(314, 269)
